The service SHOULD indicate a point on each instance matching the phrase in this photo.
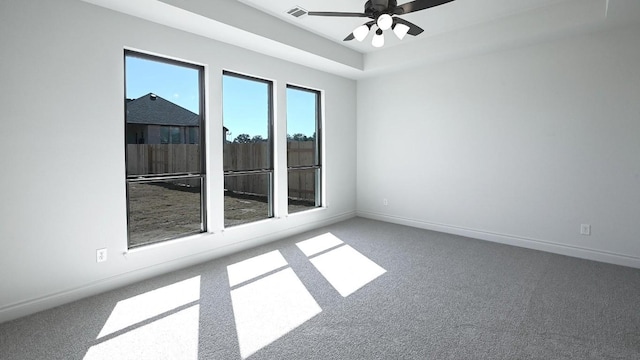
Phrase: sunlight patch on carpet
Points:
(319, 244)
(174, 336)
(270, 307)
(254, 267)
(153, 303)
(346, 269)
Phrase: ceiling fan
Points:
(385, 16)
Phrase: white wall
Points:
(62, 183)
(519, 146)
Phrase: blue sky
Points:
(301, 112)
(245, 107)
(174, 83)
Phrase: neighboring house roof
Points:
(151, 109)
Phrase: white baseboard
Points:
(31, 306)
(535, 244)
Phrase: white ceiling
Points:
(457, 29)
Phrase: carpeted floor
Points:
(360, 289)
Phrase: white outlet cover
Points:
(101, 255)
(585, 229)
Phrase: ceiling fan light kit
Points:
(385, 16)
(361, 32)
(378, 39)
(384, 22)
(400, 30)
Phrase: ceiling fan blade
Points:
(414, 29)
(350, 37)
(418, 5)
(337, 14)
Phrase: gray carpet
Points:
(441, 297)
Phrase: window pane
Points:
(302, 119)
(303, 148)
(247, 149)
(247, 198)
(193, 139)
(162, 101)
(164, 210)
(246, 114)
(164, 134)
(164, 157)
(303, 191)
(175, 136)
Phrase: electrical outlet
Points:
(101, 255)
(385, 202)
(585, 229)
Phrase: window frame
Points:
(270, 171)
(149, 178)
(318, 166)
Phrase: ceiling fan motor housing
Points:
(379, 7)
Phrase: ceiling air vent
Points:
(297, 12)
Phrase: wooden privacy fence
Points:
(251, 156)
(302, 183)
(146, 159)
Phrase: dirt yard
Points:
(164, 212)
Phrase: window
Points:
(164, 123)
(304, 163)
(193, 135)
(248, 149)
